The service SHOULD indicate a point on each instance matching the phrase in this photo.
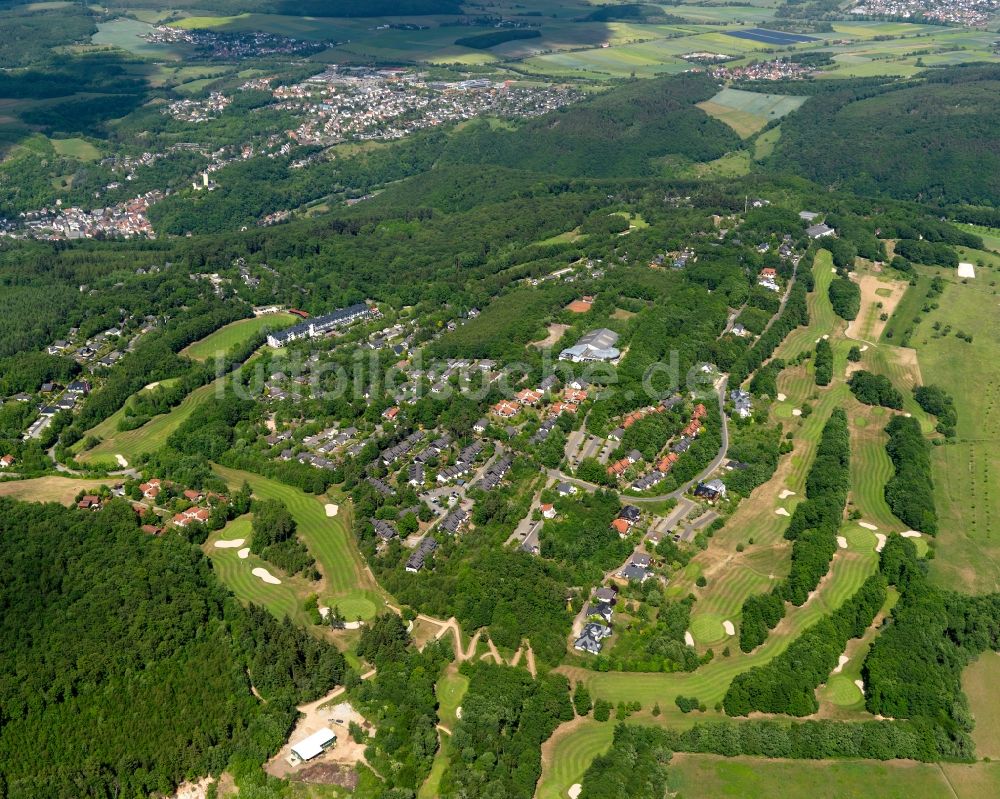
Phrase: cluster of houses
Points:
(419, 556)
(494, 475)
(626, 520)
(463, 463)
(742, 403)
(598, 625)
(668, 460)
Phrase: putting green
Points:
(707, 628)
(354, 606)
(842, 691)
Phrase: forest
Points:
(874, 389)
(910, 490)
(928, 140)
(136, 656)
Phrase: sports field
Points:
(148, 438)
(347, 582)
(748, 112)
(226, 337)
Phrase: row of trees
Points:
(823, 363)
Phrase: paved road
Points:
(678, 492)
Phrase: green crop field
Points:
(748, 112)
(228, 336)
(148, 438)
(705, 776)
(347, 582)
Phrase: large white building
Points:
(314, 745)
(321, 325)
(597, 345)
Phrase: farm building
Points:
(314, 745)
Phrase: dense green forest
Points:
(127, 648)
(930, 141)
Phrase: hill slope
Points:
(933, 142)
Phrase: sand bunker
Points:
(729, 627)
(266, 576)
(244, 553)
(796, 411)
(786, 493)
(864, 348)
(868, 526)
(121, 461)
(841, 662)
(688, 638)
(781, 397)
(860, 684)
(782, 512)
(881, 542)
(965, 269)
(574, 790)
(841, 542)
(331, 509)
(826, 337)
(911, 534)
(833, 269)
(233, 544)
(458, 712)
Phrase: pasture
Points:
(748, 112)
(218, 343)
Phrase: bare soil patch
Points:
(556, 330)
(869, 326)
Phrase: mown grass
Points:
(148, 438)
(979, 681)
(225, 338)
(713, 776)
(346, 580)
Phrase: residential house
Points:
(89, 502)
(548, 510)
(602, 610)
(418, 559)
(565, 489)
(384, 530)
(6, 461)
(621, 527)
(712, 490)
(591, 638)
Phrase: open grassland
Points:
(347, 582)
(51, 488)
(81, 149)
(748, 112)
(228, 336)
(979, 681)
(989, 235)
(703, 776)
(966, 473)
(151, 436)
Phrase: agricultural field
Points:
(51, 488)
(748, 112)
(226, 337)
(979, 681)
(81, 149)
(967, 472)
(710, 776)
(126, 34)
